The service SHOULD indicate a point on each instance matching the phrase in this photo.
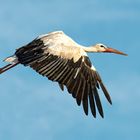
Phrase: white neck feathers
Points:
(89, 49)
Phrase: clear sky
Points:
(33, 108)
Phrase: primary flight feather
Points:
(59, 58)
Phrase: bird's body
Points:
(61, 45)
(58, 57)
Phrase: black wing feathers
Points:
(79, 78)
(92, 103)
(30, 52)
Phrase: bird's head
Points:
(103, 48)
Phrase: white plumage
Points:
(12, 59)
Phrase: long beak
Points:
(111, 50)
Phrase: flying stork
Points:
(59, 58)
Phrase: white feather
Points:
(93, 68)
(11, 59)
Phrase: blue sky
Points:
(32, 108)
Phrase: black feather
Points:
(48, 72)
(85, 99)
(76, 84)
(61, 86)
(98, 102)
(45, 62)
(61, 71)
(65, 80)
(92, 103)
(65, 75)
(106, 92)
(80, 91)
(48, 66)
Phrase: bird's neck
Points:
(90, 49)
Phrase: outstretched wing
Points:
(81, 80)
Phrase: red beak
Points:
(111, 50)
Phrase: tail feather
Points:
(13, 60)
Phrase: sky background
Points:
(33, 108)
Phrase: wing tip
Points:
(101, 114)
(61, 86)
(105, 92)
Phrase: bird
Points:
(58, 57)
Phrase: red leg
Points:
(7, 67)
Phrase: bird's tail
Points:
(13, 60)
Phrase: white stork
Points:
(56, 56)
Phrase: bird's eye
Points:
(102, 46)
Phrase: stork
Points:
(59, 58)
